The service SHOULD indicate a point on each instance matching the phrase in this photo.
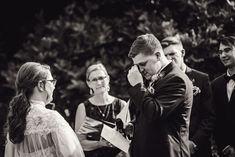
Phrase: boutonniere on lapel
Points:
(151, 89)
(196, 90)
(153, 79)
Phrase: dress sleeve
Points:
(80, 116)
(9, 148)
(65, 140)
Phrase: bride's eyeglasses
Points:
(53, 81)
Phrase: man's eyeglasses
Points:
(226, 50)
(52, 81)
(101, 78)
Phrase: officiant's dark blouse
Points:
(105, 114)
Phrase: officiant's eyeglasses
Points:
(101, 78)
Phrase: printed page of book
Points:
(115, 138)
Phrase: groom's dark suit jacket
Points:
(202, 118)
(225, 113)
(162, 118)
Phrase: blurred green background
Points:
(71, 35)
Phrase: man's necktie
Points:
(228, 78)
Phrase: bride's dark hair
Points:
(27, 78)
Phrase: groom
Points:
(163, 108)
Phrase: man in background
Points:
(202, 115)
(224, 98)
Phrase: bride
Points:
(33, 130)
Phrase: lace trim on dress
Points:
(42, 120)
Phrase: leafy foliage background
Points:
(89, 31)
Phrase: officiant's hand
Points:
(129, 130)
(105, 143)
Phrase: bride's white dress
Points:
(47, 134)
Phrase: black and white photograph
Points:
(108, 78)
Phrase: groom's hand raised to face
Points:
(134, 76)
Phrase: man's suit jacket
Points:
(162, 117)
(202, 118)
(225, 113)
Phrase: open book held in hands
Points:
(115, 138)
